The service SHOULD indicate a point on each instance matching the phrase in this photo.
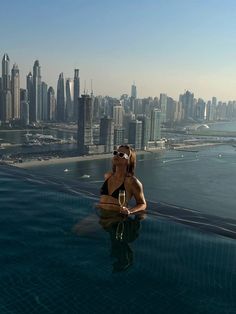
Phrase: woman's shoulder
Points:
(134, 180)
(108, 174)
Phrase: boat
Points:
(66, 170)
(85, 176)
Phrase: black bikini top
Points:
(115, 194)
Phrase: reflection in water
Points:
(122, 232)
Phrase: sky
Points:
(165, 46)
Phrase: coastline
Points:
(183, 147)
(61, 160)
(36, 163)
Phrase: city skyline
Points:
(163, 47)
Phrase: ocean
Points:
(202, 181)
(60, 256)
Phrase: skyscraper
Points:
(1, 99)
(118, 116)
(15, 90)
(146, 124)
(6, 102)
(134, 91)
(200, 110)
(135, 133)
(44, 91)
(96, 109)
(119, 136)
(163, 105)
(133, 97)
(76, 94)
(107, 134)
(211, 109)
(37, 94)
(60, 99)
(6, 80)
(30, 92)
(155, 132)
(24, 107)
(51, 104)
(171, 110)
(85, 131)
(69, 99)
(187, 100)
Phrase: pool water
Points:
(58, 255)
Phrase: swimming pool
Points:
(59, 257)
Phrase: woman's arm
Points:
(137, 191)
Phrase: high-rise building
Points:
(76, 94)
(6, 99)
(15, 91)
(108, 104)
(96, 109)
(1, 99)
(24, 107)
(163, 106)
(133, 97)
(134, 91)
(119, 136)
(211, 109)
(30, 92)
(60, 99)
(37, 94)
(138, 106)
(24, 95)
(6, 80)
(85, 131)
(126, 120)
(178, 116)
(170, 110)
(6, 106)
(118, 116)
(155, 132)
(124, 99)
(51, 104)
(146, 125)
(148, 104)
(107, 134)
(135, 134)
(44, 90)
(187, 100)
(200, 110)
(69, 99)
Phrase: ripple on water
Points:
(46, 267)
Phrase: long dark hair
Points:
(131, 161)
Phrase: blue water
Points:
(223, 126)
(203, 181)
(59, 256)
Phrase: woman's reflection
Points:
(122, 231)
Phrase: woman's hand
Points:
(124, 211)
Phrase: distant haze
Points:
(164, 46)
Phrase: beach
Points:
(28, 163)
(42, 162)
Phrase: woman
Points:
(122, 178)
